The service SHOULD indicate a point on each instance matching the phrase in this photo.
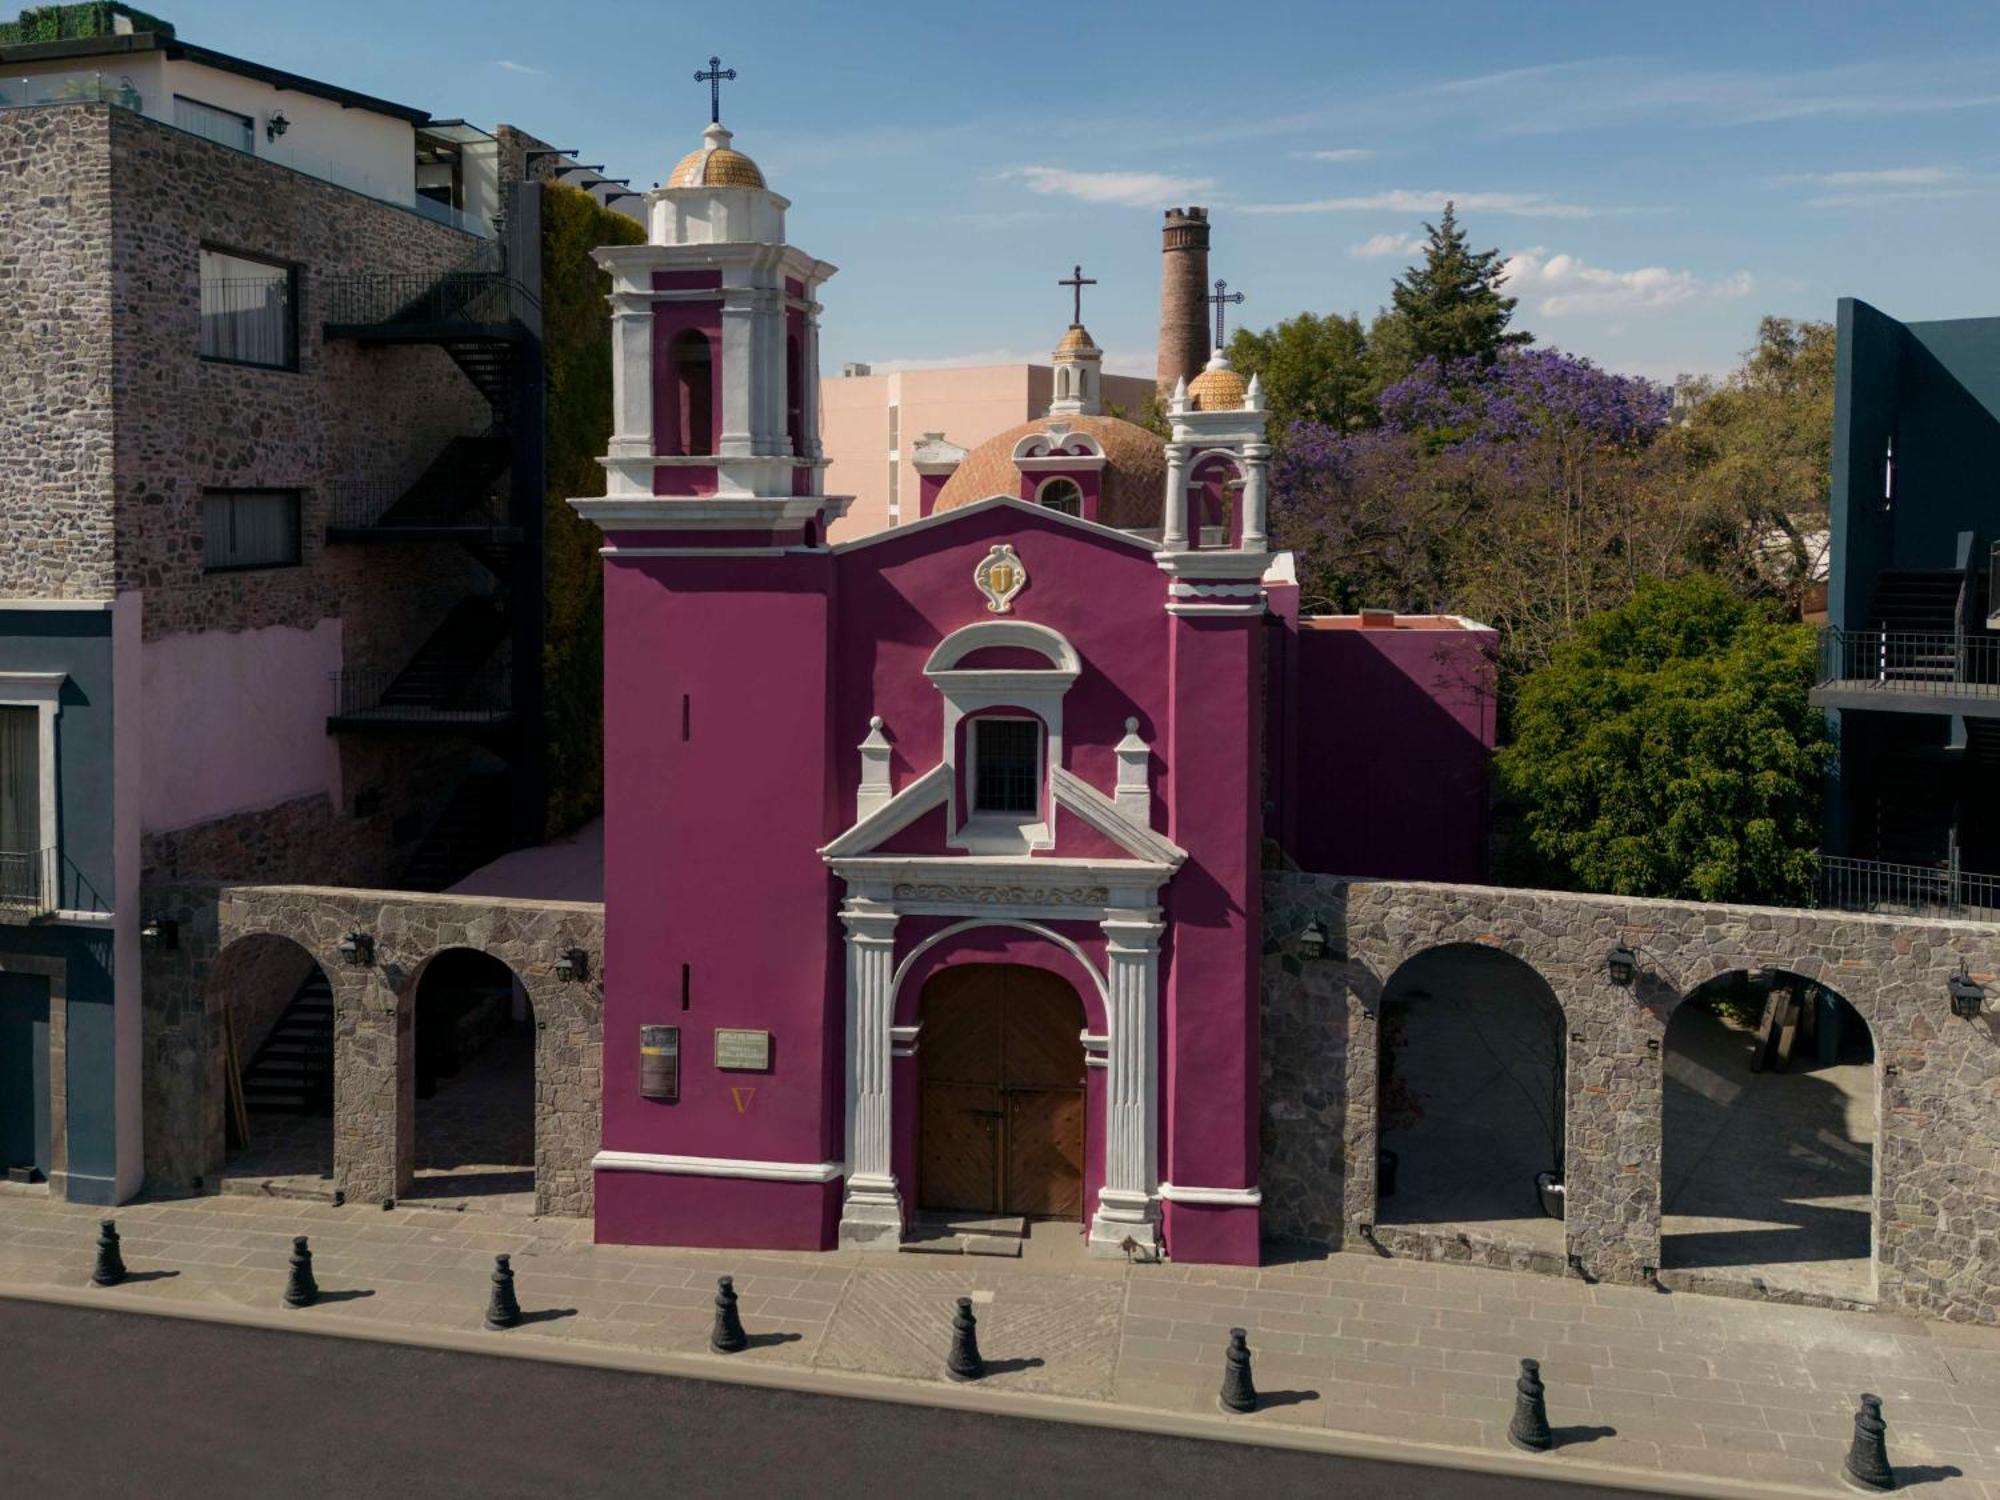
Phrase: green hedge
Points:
(576, 337)
(69, 23)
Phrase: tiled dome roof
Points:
(1133, 482)
(1078, 337)
(1218, 388)
(715, 165)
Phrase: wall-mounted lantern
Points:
(1967, 995)
(573, 965)
(357, 949)
(1312, 941)
(161, 935)
(276, 125)
(1622, 965)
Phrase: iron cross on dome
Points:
(714, 76)
(1221, 296)
(1076, 281)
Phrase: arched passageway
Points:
(1001, 1106)
(274, 1006)
(474, 1081)
(1470, 1098)
(1770, 1122)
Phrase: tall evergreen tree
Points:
(1451, 305)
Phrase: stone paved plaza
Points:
(1400, 1350)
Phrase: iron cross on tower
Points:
(1221, 296)
(714, 76)
(1076, 281)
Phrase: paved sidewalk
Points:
(1650, 1383)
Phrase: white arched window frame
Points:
(967, 691)
(1060, 493)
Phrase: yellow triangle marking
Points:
(742, 1098)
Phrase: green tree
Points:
(1669, 749)
(1452, 304)
(1314, 369)
(1756, 451)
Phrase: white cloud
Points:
(514, 67)
(1131, 189)
(1409, 201)
(1559, 286)
(1378, 245)
(1116, 361)
(1878, 177)
(1341, 153)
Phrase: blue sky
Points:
(1662, 174)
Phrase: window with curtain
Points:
(249, 529)
(212, 123)
(20, 795)
(248, 310)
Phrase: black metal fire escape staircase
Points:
(482, 493)
(1916, 788)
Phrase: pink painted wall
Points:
(716, 771)
(670, 321)
(232, 721)
(1393, 742)
(1209, 1058)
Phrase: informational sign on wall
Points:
(748, 1051)
(659, 1062)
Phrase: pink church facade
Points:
(932, 858)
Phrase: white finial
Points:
(874, 789)
(1134, 792)
(716, 136)
(1217, 360)
(1253, 399)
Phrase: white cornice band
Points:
(1213, 1197)
(718, 1166)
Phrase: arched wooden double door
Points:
(1001, 1062)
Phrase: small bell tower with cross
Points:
(1079, 363)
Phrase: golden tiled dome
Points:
(1077, 338)
(715, 165)
(1132, 484)
(1218, 388)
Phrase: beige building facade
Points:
(870, 425)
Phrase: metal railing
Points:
(456, 297)
(358, 505)
(390, 698)
(28, 884)
(1938, 664)
(1870, 885)
(1993, 580)
(250, 320)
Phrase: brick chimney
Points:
(1183, 297)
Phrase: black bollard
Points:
(1530, 1427)
(1867, 1466)
(964, 1363)
(503, 1308)
(110, 1267)
(727, 1335)
(300, 1288)
(1239, 1391)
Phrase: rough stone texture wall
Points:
(374, 1026)
(1937, 1152)
(264, 975)
(56, 461)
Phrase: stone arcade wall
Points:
(1937, 1152)
(374, 1026)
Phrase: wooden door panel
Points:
(962, 1016)
(1045, 1153)
(960, 1167)
(1043, 1038)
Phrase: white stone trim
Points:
(94, 605)
(1244, 1197)
(717, 1166)
(1096, 1049)
(1035, 691)
(981, 634)
(707, 512)
(41, 691)
(1180, 588)
(1074, 794)
(892, 817)
(1216, 609)
(874, 790)
(1047, 933)
(959, 513)
(871, 1211)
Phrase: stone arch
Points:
(271, 1003)
(1470, 1102)
(998, 940)
(472, 1076)
(1770, 1176)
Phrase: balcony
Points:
(1903, 671)
(1993, 588)
(417, 700)
(1880, 889)
(28, 885)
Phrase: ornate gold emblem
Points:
(1000, 577)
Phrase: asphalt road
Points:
(130, 1405)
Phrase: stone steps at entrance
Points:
(965, 1234)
